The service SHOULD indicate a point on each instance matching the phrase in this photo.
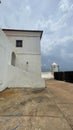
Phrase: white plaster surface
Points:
(19, 78)
(22, 74)
(47, 75)
(5, 57)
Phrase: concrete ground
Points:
(38, 109)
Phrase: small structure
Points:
(20, 64)
(54, 67)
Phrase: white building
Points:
(54, 67)
(20, 59)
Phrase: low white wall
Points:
(47, 75)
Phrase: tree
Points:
(0, 1)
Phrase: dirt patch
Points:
(7, 93)
(38, 91)
(38, 99)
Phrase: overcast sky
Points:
(54, 17)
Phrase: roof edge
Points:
(40, 31)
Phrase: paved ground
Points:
(38, 109)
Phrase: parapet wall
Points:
(64, 76)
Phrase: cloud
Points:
(65, 54)
(51, 45)
(64, 5)
(58, 32)
(15, 14)
(55, 18)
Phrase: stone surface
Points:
(33, 123)
(50, 108)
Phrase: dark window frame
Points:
(19, 43)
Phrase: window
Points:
(19, 43)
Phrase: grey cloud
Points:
(55, 18)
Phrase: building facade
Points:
(24, 55)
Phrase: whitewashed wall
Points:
(23, 74)
(5, 57)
